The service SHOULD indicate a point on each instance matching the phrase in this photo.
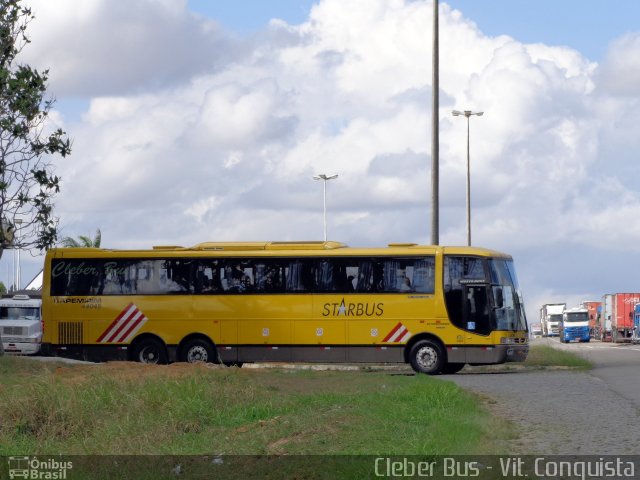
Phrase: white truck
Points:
(550, 318)
(21, 324)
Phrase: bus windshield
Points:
(508, 307)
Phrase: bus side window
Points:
(407, 275)
(268, 276)
(178, 276)
(238, 276)
(207, 277)
(297, 276)
(77, 277)
(424, 280)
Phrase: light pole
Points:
(468, 113)
(324, 179)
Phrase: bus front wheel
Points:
(426, 356)
(150, 350)
(198, 350)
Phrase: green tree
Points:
(83, 241)
(27, 142)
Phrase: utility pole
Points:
(435, 134)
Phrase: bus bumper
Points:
(494, 354)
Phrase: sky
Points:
(205, 120)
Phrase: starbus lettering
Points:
(353, 309)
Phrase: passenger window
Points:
(408, 275)
(298, 276)
(237, 277)
(208, 275)
(269, 275)
(344, 275)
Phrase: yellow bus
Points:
(437, 308)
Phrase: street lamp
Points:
(324, 179)
(468, 113)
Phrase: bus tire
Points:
(451, 368)
(151, 351)
(427, 356)
(199, 350)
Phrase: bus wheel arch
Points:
(148, 348)
(426, 354)
(197, 347)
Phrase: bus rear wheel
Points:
(198, 350)
(150, 350)
(426, 356)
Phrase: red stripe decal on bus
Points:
(124, 321)
(136, 322)
(127, 323)
(400, 333)
(392, 332)
(117, 319)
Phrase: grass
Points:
(126, 408)
(546, 356)
(296, 421)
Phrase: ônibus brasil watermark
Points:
(40, 469)
(530, 467)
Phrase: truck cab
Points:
(574, 326)
(21, 324)
(536, 330)
(550, 318)
(635, 339)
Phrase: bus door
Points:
(476, 312)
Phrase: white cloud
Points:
(193, 135)
(97, 47)
(621, 69)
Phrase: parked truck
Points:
(594, 309)
(574, 326)
(535, 330)
(622, 316)
(603, 323)
(550, 317)
(21, 324)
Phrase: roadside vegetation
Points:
(123, 408)
(546, 356)
(129, 408)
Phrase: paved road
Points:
(618, 365)
(568, 412)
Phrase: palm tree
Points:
(83, 241)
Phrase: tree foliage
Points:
(83, 241)
(27, 182)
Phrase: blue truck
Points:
(635, 337)
(574, 326)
